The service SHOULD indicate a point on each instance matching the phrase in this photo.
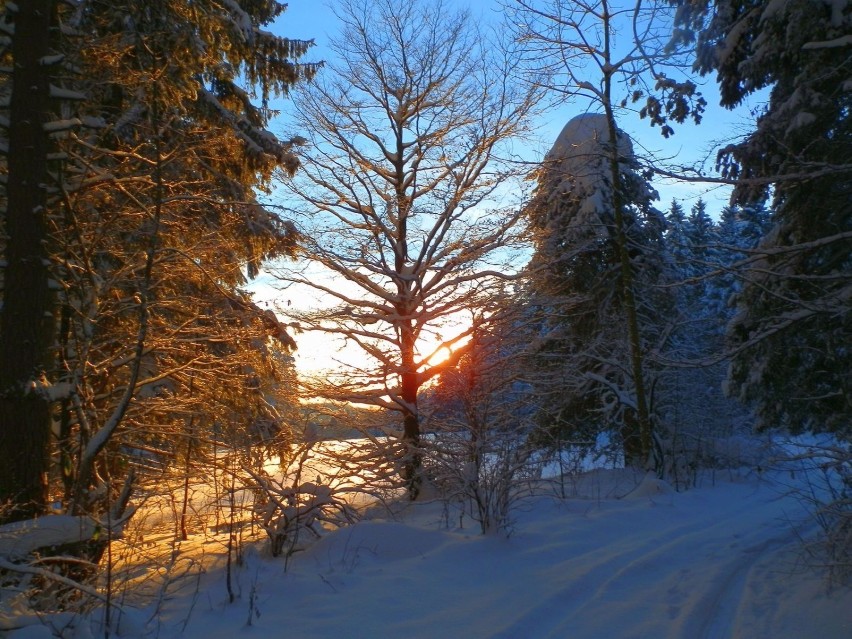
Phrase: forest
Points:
(522, 322)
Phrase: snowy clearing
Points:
(619, 560)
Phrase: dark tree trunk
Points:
(635, 454)
(26, 322)
(643, 431)
(413, 459)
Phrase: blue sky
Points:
(310, 19)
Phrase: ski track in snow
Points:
(609, 587)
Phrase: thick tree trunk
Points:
(27, 321)
(413, 460)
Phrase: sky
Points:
(310, 19)
(315, 20)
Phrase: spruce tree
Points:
(27, 314)
(585, 374)
(794, 322)
(154, 224)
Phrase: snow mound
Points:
(651, 486)
(20, 538)
(584, 136)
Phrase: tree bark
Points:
(645, 434)
(27, 321)
(413, 457)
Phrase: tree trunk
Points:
(645, 434)
(413, 460)
(27, 321)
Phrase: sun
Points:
(438, 356)
(433, 349)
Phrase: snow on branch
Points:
(842, 41)
(21, 538)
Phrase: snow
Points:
(61, 93)
(627, 556)
(50, 60)
(710, 562)
(838, 8)
(802, 118)
(578, 163)
(20, 538)
(583, 136)
(842, 41)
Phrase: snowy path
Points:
(683, 573)
(711, 563)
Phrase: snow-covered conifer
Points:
(794, 319)
(585, 376)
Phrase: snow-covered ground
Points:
(617, 560)
(722, 560)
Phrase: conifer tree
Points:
(575, 274)
(27, 314)
(699, 227)
(154, 221)
(793, 321)
(587, 51)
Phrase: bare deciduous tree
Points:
(398, 194)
